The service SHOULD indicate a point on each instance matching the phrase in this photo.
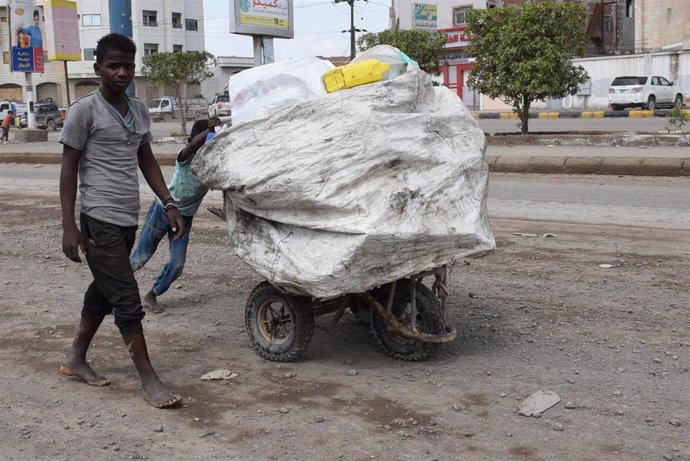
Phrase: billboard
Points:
(62, 30)
(270, 18)
(424, 16)
(26, 37)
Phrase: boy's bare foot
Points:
(84, 371)
(152, 303)
(159, 395)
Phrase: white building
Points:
(156, 26)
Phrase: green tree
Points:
(423, 46)
(523, 54)
(177, 70)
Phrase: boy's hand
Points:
(176, 222)
(212, 123)
(71, 243)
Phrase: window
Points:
(629, 8)
(663, 81)
(607, 24)
(177, 48)
(150, 48)
(460, 15)
(669, 15)
(3, 19)
(89, 54)
(191, 24)
(5, 57)
(150, 18)
(90, 20)
(177, 20)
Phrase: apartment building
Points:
(155, 26)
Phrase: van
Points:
(166, 108)
(17, 108)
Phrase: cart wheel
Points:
(279, 325)
(429, 320)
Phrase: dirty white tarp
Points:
(354, 189)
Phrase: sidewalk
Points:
(555, 159)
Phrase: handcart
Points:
(406, 317)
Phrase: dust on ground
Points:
(537, 314)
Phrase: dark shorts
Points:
(114, 288)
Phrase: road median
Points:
(619, 166)
(613, 153)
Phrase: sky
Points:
(318, 28)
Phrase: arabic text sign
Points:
(62, 28)
(425, 16)
(456, 38)
(262, 17)
(26, 37)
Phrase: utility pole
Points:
(353, 51)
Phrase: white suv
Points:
(648, 91)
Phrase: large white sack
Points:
(354, 189)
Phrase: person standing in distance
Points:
(105, 138)
(6, 122)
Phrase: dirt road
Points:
(537, 314)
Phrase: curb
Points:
(638, 166)
(547, 114)
(618, 166)
(51, 158)
(590, 139)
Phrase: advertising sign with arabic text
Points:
(425, 16)
(272, 18)
(26, 37)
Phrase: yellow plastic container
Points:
(354, 74)
(333, 79)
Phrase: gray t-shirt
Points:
(109, 166)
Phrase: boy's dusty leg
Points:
(75, 360)
(155, 392)
(152, 302)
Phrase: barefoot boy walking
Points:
(105, 138)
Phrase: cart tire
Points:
(429, 320)
(279, 325)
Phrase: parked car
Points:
(220, 107)
(647, 91)
(165, 108)
(47, 114)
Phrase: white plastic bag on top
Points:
(263, 88)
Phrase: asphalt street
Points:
(640, 201)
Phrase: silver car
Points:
(647, 91)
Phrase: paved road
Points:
(647, 201)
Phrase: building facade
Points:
(614, 28)
(154, 25)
